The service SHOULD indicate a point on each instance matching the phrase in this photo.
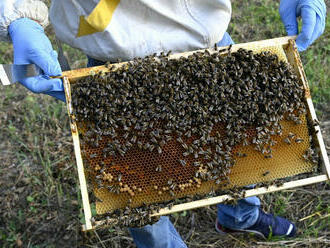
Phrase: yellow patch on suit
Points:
(99, 19)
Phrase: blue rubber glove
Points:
(312, 13)
(226, 40)
(31, 46)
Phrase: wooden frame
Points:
(282, 41)
(77, 151)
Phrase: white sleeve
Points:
(10, 10)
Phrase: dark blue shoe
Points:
(266, 224)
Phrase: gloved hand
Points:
(312, 12)
(31, 46)
(226, 40)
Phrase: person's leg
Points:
(247, 216)
(240, 216)
(162, 234)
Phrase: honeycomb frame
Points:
(286, 51)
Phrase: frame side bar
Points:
(80, 167)
(310, 105)
(317, 128)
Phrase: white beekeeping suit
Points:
(110, 29)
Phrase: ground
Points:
(39, 192)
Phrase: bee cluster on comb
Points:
(203, 106)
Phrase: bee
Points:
(185, 154)
(278, 183)
(241, 155)
(299, 140)
(182, 162)
(287, 140)
(218, 181)
(162, 142)
(180, 140)
(184, 145)
(316, 123)
(209, 165)
(146, 146)
(196, 163)
(121, 152)
(245, 142)
(298, 121)
(229, 49)
(170, 205)
(157, 133)
(265, 173)
(125, 136)
(133, 139)
(188, 134)
(291, 135)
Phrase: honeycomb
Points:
(138, 172)
(141, 183)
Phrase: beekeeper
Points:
(108, 30)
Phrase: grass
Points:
(40, 197)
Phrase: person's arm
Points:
(312, 13)
(12, 10)
(23, 22)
